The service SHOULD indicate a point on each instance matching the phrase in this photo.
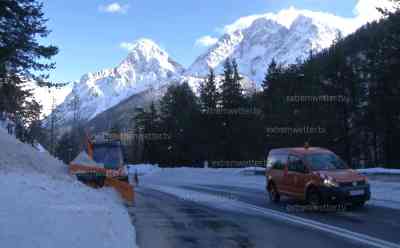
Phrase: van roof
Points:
(299, 150)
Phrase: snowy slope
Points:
(147, 66)
(286, 36)
(42, 206)
(16, 156)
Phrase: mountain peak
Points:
(147, 66)
(285, 36)
(145, 49)
(146, 55)
(144, 44)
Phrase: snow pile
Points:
(17, 156)
(142, 169)
(251, 171)
(384, 193)
(38, 211)
(84, 159)
(187, 176)
(42, 206)
(40, 148)
(382, 171)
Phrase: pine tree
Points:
(22, 23)
(209, 128)
(231, 92)
(383, 108)
(231, 118)
(63, 149)
(208, 93)
(180, 111)
(21, 55)
(148, 133)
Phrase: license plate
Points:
(356, 192)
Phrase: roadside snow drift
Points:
(42, 206)
(142, 169)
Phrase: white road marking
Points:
(361, 238)
(338, 231)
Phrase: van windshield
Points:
(319, 162)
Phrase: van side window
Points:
(296, 164)
(277, 162)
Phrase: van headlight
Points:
(329, 182)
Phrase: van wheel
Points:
(273, 193)
(314, 199)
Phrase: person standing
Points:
(9, 128)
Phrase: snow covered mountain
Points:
(146, 66)
(286, 37)
(254, 41)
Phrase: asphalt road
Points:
(164, 220)
(378, 222)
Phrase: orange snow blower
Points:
(103, 165)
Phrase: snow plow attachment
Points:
(123, 188)
(100, 177)
(103, 166)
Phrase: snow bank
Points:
(251, 171)
(221, 176)
(37, 211)
(386, 194)
(17, 156)
(383, 171)
(42, 206)
(142, 169)
(40, 148)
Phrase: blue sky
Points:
(89, 33)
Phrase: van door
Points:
(281, 172)
(277, 164)
(297, 177)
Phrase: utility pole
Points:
(53, 125)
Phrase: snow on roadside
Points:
(17, 156)
(385, 194)
(224, 177)
(142, 169)
(383, 171)
(42, 206)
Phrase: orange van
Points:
(315, 175)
